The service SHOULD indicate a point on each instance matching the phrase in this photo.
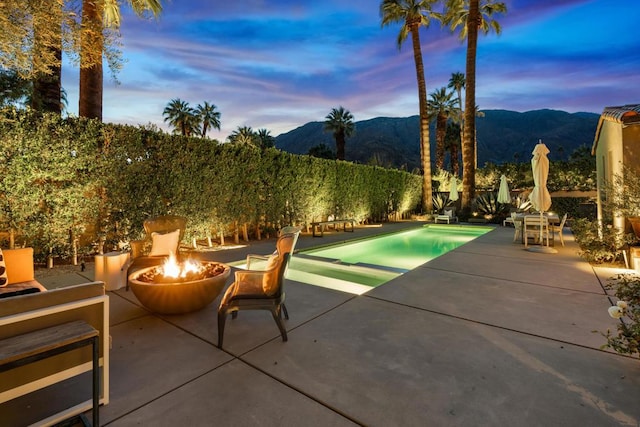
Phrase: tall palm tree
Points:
(92, 47)
(340, 122)
(181, 116)
(414, 14)
(441, 105)
(208, 116)
(471, 16)
(452, 145)
(243, 135)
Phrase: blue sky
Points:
(280, 64)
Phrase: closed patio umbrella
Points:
(540, 197)
(453, 189)
(503, 193)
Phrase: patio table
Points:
(552, 218)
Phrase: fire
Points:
(171, 267)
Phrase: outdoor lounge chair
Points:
(448, 216)
(163, 236)
(260, 289)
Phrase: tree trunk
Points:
(236, 233)
(340, 143)
(441, 131)
(90, 103)
(425, 154)
(46, 96)
(468, 144)
(245, 233)
(455, 162)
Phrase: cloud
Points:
(278, 65)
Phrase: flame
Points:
(171, 267)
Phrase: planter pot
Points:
(635, 225)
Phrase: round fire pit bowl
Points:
(180, 296)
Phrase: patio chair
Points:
(532, 226)
(163, 237)
(560, 227)
(517, 225)
(262, 289)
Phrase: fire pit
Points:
(174, 288)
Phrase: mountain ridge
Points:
(502, 136)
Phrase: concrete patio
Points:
(486, 335)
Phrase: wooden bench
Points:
(40, 344)
(320, 225)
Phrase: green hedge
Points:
(77, 180)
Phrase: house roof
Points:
(625, 115)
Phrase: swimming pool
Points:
(358, 266)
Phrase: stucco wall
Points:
(617, 146)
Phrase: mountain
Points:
(502, 135)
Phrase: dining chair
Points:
(517, 225)
(533, 227)
(560, 228)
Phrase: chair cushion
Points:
(4, 280)
(164, 244)
(270, 278)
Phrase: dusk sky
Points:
(280, 64)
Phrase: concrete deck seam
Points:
(304, 393)
(146, 312)
(453, 316)
(168, 392)
(462, 250)
(426, 266)
(602, 285)
(293, 328)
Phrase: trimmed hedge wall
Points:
(77, 183)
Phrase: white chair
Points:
(510, 219)
(517, 225)
(560, 227)
(533, 226)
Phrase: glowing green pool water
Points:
(358, 266)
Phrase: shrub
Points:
(627, 310)
(599, 245)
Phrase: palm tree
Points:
(441, 105)
(243, 135)
(457, 82)
(183, 118)
(92, 47)
(208, 116)
(452, 145)
(265, 140)
(340, 122)
(471, 15)
(414, 14)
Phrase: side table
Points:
(108, 269)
